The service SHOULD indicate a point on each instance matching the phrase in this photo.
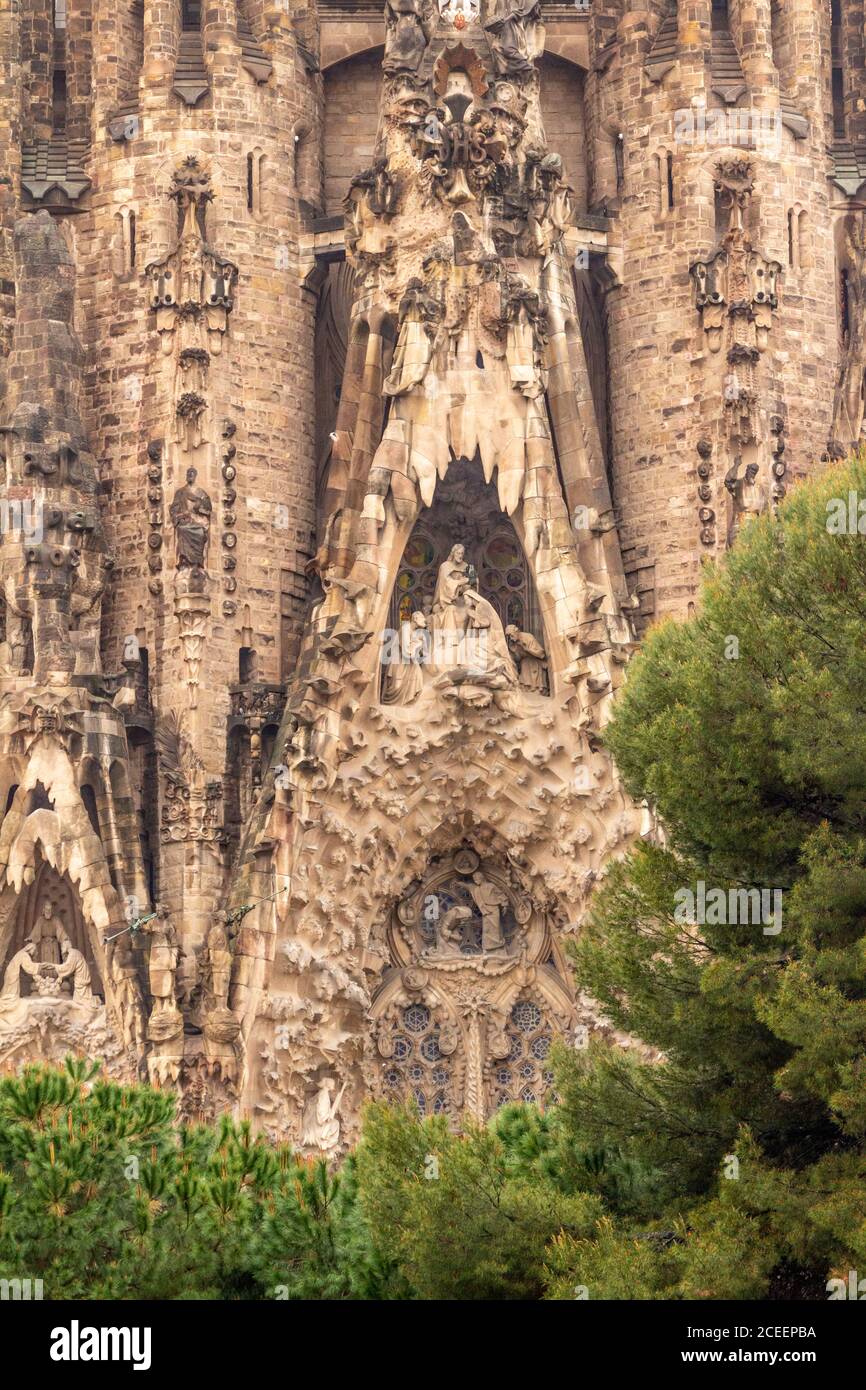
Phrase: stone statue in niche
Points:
(490, 900)
(467, 631)
(25, 960)
(420, 314)
(452, 581)
(48, 936)
(190, 513)
(529, 654)
(219, 962)
(165, 1019)
(124, 978)
(451, 930)
(404, 678)
(192, 281)
(749, 496)
(321, 1121)
(76, 966)
(408, 26)
(514, 36)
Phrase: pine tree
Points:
(743, 726)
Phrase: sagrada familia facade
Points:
(371, 378)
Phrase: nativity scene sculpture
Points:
(461, 708)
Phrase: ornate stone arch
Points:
(466, 944)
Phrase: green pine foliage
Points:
(103, 1196)
(744, 728)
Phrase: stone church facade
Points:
(372, 378)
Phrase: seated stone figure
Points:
(469, 643)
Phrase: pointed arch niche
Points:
(473, 994)
(52, 887)
(466, 510)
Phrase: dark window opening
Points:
(88, 796)
(839, 127)
(58, 99)
(246, 665)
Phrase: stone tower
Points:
(373, 376)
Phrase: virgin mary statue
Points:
(475, 635)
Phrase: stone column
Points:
(694, 45)
(220, 40)
(79, 68)
(752, 32)
(161, 39)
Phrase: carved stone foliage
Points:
(191, 801)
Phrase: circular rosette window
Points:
(524, 1075)
(421, 1064)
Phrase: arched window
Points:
(525, 1075)
(417, 1070)
(255, 162)
(124, 247)
(246, 665)
(88, 796)
(492, 548)
(798, 238)
(619, 161)
(844, 304)
(665, 163)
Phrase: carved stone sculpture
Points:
(321, 1121)
(75, 966)
(219, 962)
(48, 935)
(749, 496)
(530, 654)
(192, 281)
(25, 960)
(408, 24)
(514, 37)
(190, 513)
(165, 1018)
(490, 900)
(404, 677)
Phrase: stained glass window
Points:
(417, 1070)
(522, 1076)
